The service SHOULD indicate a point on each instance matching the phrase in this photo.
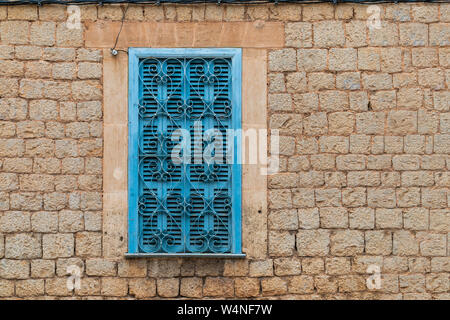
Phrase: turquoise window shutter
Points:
(184, 102)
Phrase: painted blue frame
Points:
(134, 55)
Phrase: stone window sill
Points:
(185, 255)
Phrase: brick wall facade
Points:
(364, 119)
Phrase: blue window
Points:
(184, 172)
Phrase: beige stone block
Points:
(296, 82)
(391, 60)
(100, 267)
(42, 268)
(404, 79)
(298, 34)
(328, 34)
(307, 145)
(395, 264)
(362, 218)
(280, 102)
(132, 268)
(333, 217)
(432, 78)
(356, 33)
(387, 35)
(218, 287)
(52, 13)
(434, 198)
(424, 57)
(419, 264)
(30, 287)
(262, 268)
(236, 267)
(341, 123)
(431, 244)
(283, 219)
(412, 283)
(328, 197)
(347, 242)
(14, 269)
(438, 282)
(57, 245)
(320, 80)
(377, 81)
(276, 83)
(313, 242)
(59, 54)
(287, 123)
(440, 264)
(354, 197)
(405, 243)
(348, 81)
(23, 246)
(315, 124)
(351, 283)
(57, 287)
(439, 34)
(114, 287)
(86, 90)
(66, 37)
(281, 243)
(89, 287)
(191, 287)
(88, 244)
(279, 199)
(283, 60)
(26, 201)
(301, 284)
(6, 287)
(334, 144)
(14, 32)
(9, 87)
(342, 59)
(413, 34)
(312, 59)
(325, 284)
(312, 265)
(273, 286)
(287, 266)
(378, 242)
(309, 218)
(402, 122)
(43, 33)
(337, 266)
(370, 122)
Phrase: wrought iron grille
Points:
(184, 207)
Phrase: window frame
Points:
(134, 54)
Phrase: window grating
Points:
(188, 207)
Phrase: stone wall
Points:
(364, 158)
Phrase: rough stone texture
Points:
(364, 121)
